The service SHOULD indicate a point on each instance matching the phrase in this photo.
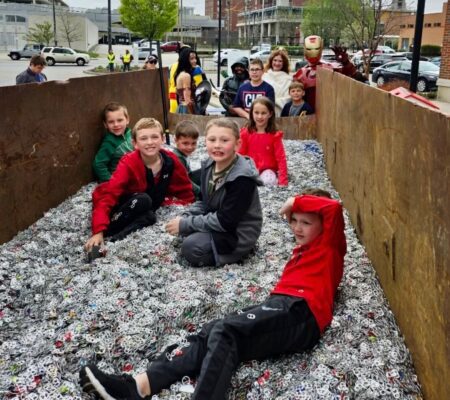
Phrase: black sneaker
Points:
(108, 387)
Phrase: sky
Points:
(430, 5)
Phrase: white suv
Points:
(55, 55)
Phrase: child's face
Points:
(148, 142)
(221, 146)
(186, 145)
(261, 116)
(296, 94)
(306, 227)
(255, 72)
(116, 122)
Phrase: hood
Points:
(332, 220)
(242, 61)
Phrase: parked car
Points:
(259, 47)
(300, 64)
(144, 52)
(436, 61)
(401, 70)
(28, 51)
(263, 55)
(223, 56)
(379, 50)
(170, 46)
(377, 61)
(55, 55)
(408, 55)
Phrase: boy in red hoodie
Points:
(145, 179)
(291, 320)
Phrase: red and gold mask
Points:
(313, 48)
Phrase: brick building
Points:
(444, 77)
(433, 28)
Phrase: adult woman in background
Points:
(276, 73)
(184, 81)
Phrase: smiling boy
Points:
(290, 320)
(249, 91)
(145, 179)
(116, 120)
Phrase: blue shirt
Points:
(248, 93)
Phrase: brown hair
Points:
(37, 59)
(145, 123)
(113, 106)
(187, 129)
(223, 123)
(317, 192)
(296, 85)
(271, 125)
(257, 61)
(283, 55)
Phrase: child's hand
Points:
(173, 226)
(95, 240)
(286, 208)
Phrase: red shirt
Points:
(130, 177)
(315, 270)
(267, 151)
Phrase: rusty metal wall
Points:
(390, 160)
(50, 133)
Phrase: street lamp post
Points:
(219, 61)
(109, 26)
(417, 43)
(54, 24)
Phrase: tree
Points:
(40, 33)
(70, 30)
(149, 18)
(322, 18)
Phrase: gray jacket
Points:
(238, 238)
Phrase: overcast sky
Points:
(430, 5)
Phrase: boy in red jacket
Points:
(145, 179)
(291, 320)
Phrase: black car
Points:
(401, 70)
(377, 61)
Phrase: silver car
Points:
(55, 55)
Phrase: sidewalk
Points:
(444, 107)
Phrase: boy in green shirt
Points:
(116, 120)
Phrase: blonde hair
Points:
(145, 123)
(296, 85)
(223, 123)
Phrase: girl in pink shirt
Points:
(261, 141)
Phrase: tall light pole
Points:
(417, 43)
(219, 61)
(109, 26)
(54, 24)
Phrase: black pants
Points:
(130, 215)
(126, 67)
(281, 324)
(111, 67)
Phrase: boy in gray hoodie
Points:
(225, 225)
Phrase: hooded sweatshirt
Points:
(315, 269)
(232, 213)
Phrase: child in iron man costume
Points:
(313, 52)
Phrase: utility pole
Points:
(109, 26)
(181, 21)
(54, 24)
(219, 61)
(417, 43)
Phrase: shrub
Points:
(430, 50)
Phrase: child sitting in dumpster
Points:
(225, 225)
(144, 180)
(186, 137)
(290, 320)
(116, 120)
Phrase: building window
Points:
(410, 26)
(15, 18)
(20, 19)
(437, 24)
(403, 26)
